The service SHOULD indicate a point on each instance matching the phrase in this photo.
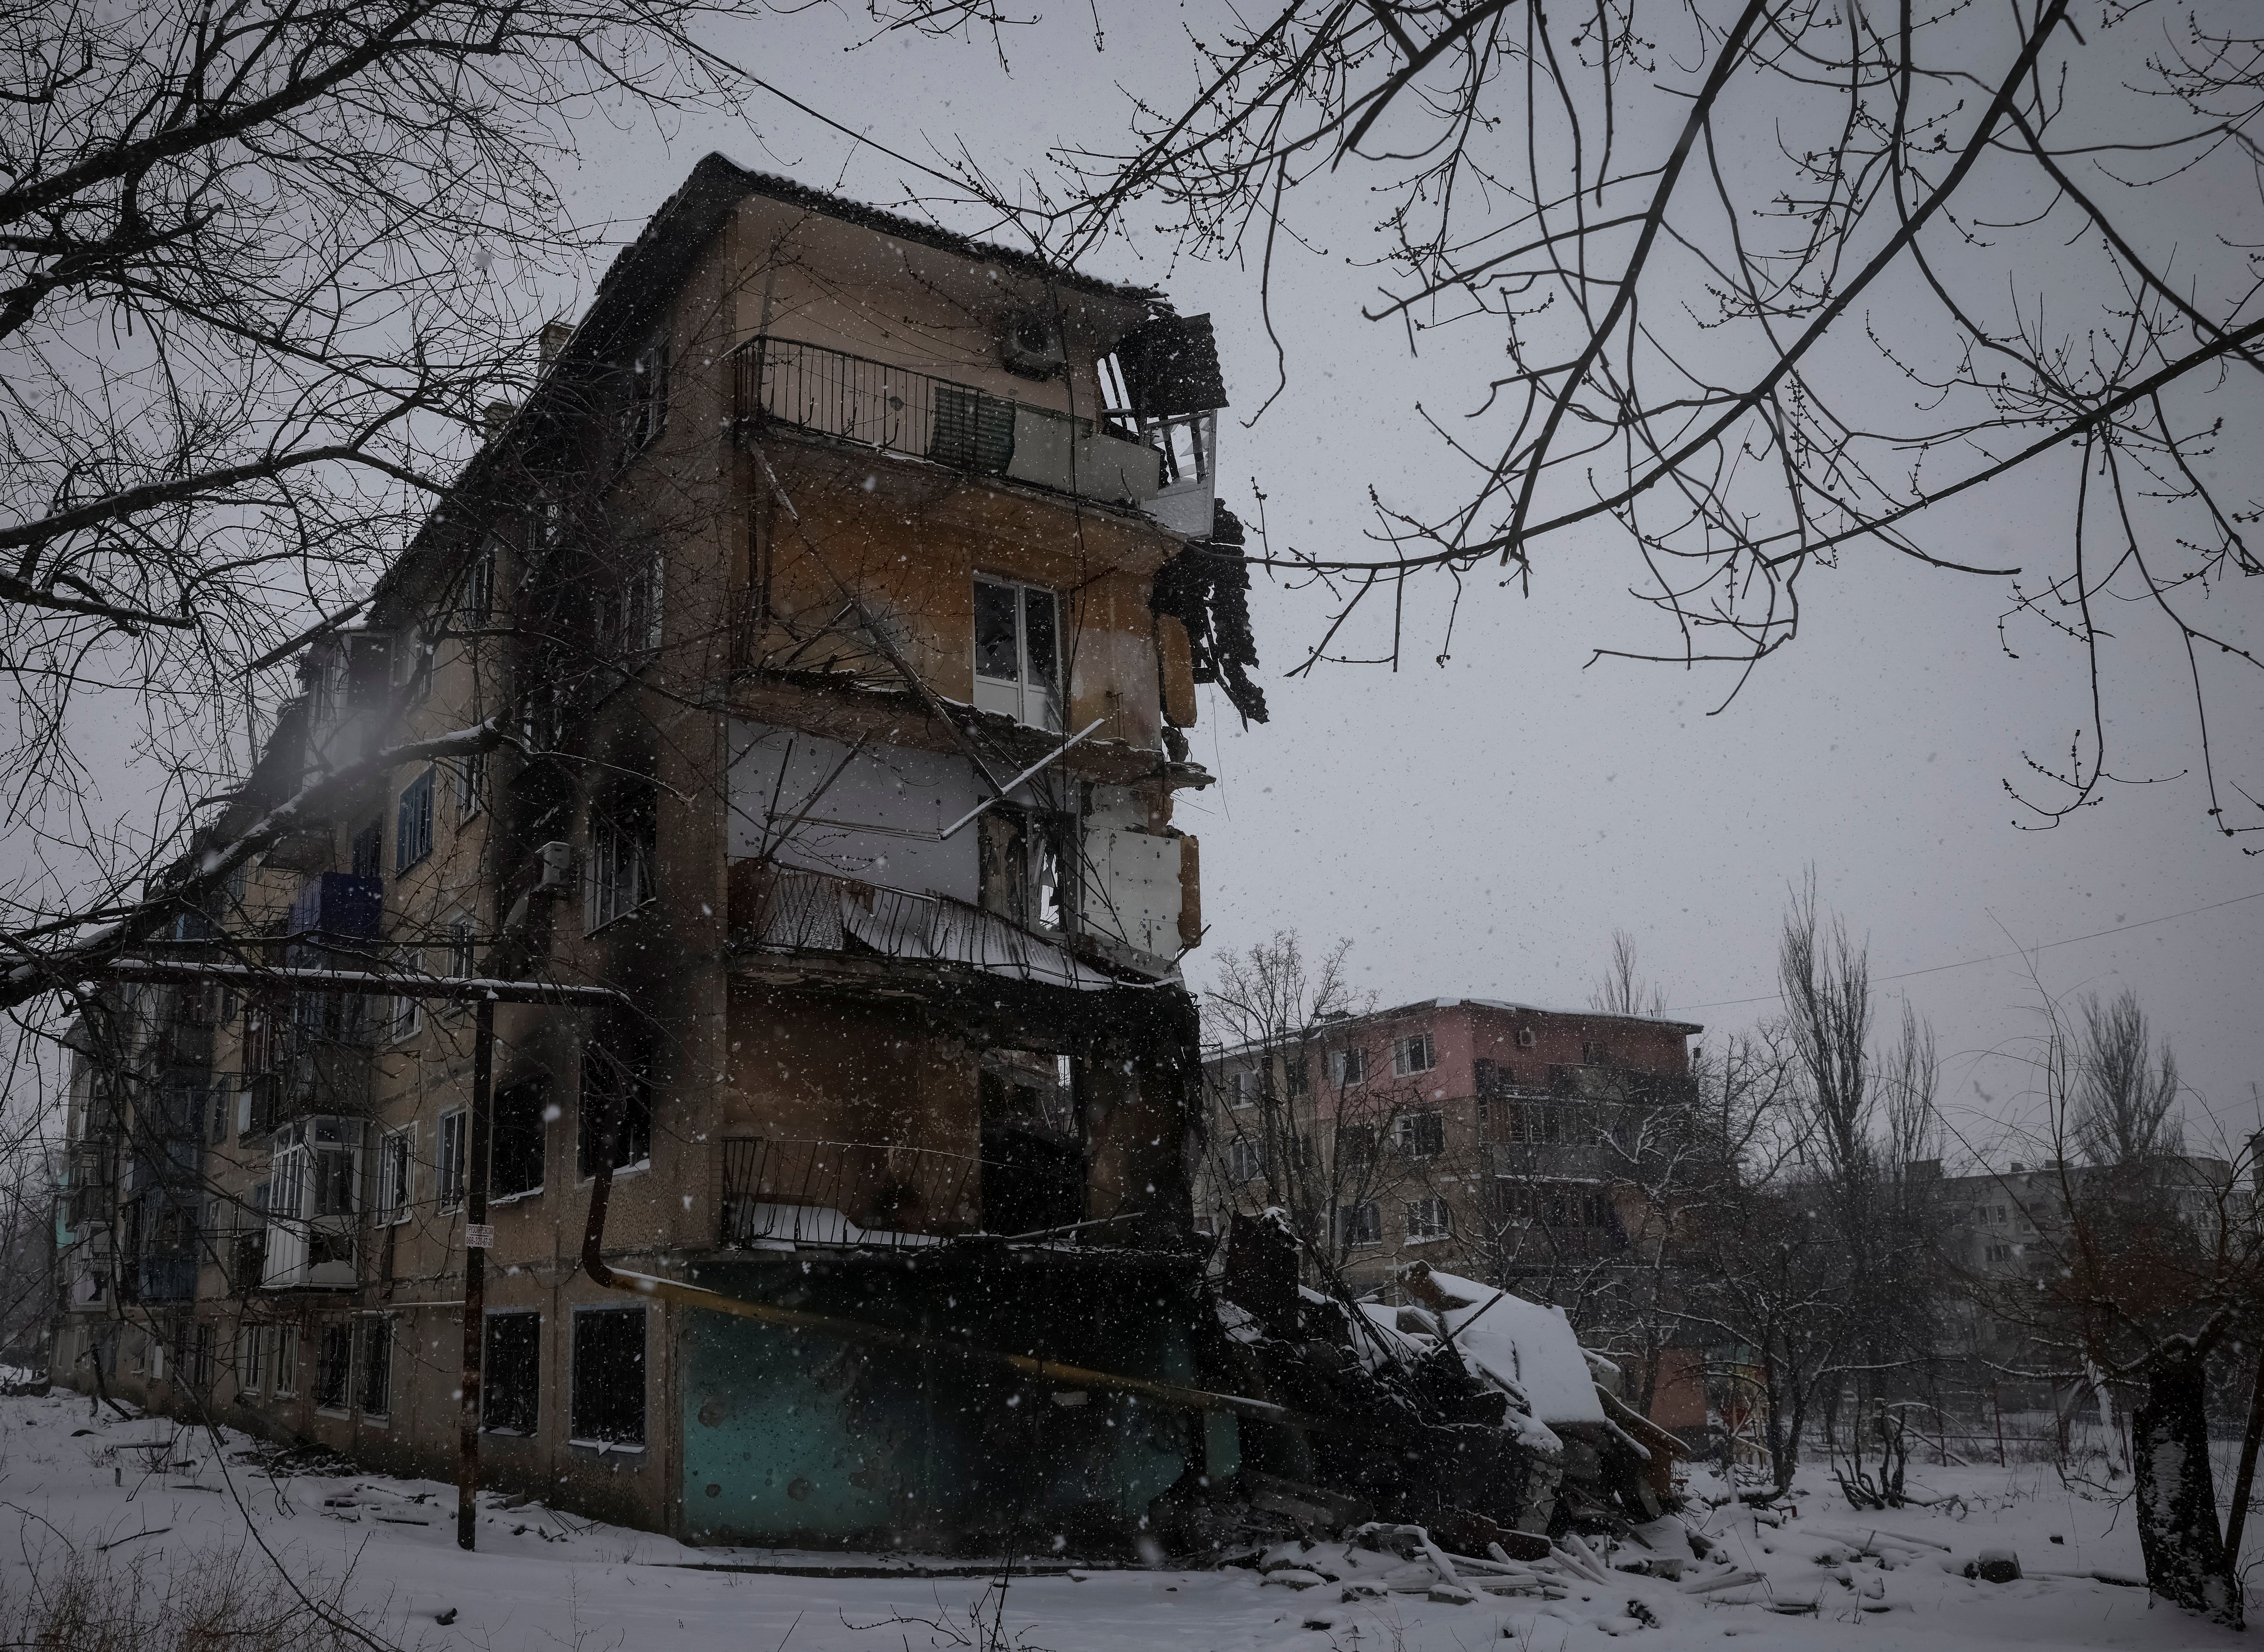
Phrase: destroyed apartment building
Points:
(799, 674)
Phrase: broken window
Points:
(1246, 1088)
(1351, 1067)
(452, 1160)
(515, 1145)
(622, 1082)
(368, 846)
(333, 1366)
(1298, 1075)
(1426, 1220)
(377, 1366)
(622, 838)
(1594, 1053)
(1423, 1135)
(1033, 1156)
(1361, 1224)
(511, 1373)
(1020, 856)
(1018, 653)
(608, 1377)
(1413, 1054)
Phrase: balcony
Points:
(865, 1195)
(1164, 472)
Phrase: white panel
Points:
(879, 820)
(1131, 879)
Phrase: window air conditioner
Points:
(1033, 348)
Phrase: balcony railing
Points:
(872, 404)
(861, 1194)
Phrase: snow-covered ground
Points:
(70, 1482)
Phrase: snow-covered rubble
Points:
(1811, 1574)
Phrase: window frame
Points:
(1405, 1052)
(491, 1364)
(1429, 1219)
(1354, 1221)
(373, 1364)
(577, 1386)
(451, 1156)
(251, 1359)
(397, 1177)
(1349, 1065)
(471, 776)
(1429, 1121)
(619, 838)
(285, 1383)
(412, 826)
(1051, 687)
(325, 1368)
(599, 1061)
(537, 1146)
(1245, 1160)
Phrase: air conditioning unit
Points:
(1033, 348)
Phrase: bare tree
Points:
(2124, 1090)
(1292, 1125)
(1757, 284)
(266, 276)
(1622, 991)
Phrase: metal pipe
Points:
(408, 984)
(476, 1257)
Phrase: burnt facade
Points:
(806, 658)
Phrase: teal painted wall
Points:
(796, 1439)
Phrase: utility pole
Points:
(478, 1236)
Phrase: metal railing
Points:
(853, 1193)
(873, 404)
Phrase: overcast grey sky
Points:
(1481, 827)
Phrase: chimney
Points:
(554, 334)
(496, 414)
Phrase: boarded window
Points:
(608, 1377)
(510, 1374)
(515, 1147)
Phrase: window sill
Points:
(602, 1449)
(620, 918)
(639, 1168)
(495, 1200)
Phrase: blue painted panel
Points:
(798, 1440)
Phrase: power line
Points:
(1997, 958)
